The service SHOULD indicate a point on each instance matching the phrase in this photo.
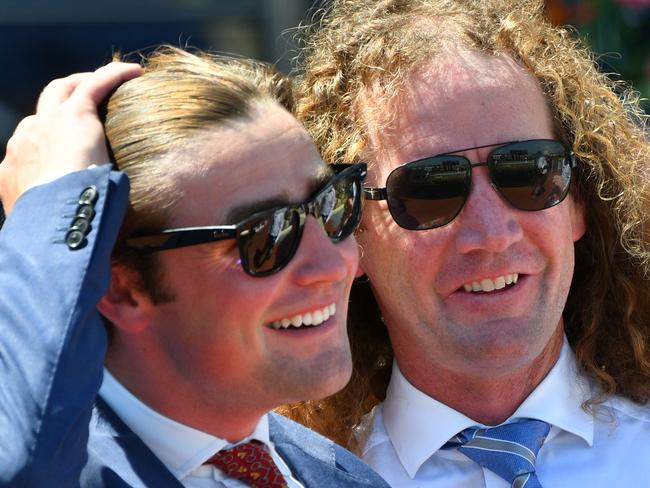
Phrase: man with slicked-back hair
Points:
(217, 254)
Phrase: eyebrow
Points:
(284, 199)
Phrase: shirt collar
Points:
(180, 447)
(419, 425)
(559, 397)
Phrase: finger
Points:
(58, 91)
(23, 128)
(93, 89)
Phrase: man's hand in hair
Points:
(65, 134)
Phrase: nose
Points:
(319, 260)
(487, 222)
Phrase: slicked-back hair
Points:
(180, 96)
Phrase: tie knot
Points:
(508, 450)
(251, 463)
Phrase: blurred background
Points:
(44, 39)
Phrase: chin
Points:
(328, 382)
(336, 382)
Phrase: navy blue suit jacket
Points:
(54, 430)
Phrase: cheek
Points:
(371, 250)
(217, 286)
(387, 256)
(578, 218)
(554, 226)
(552, 234)
(349, 249)
(374, 235)
(377, 217)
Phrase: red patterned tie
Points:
(250, 463)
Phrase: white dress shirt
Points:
(182, 449)
(609, 448)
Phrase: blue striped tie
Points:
(508, 450)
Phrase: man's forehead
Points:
(235, 175)
(236, 212)
(461, 66)
(429, 91)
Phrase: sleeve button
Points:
(80, 224)
(88, 196)
(75, 239)
(85, 211)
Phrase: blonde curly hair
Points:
(357, 46)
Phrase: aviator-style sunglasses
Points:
(268, 240)
(430, 192)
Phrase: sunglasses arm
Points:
(173, 238)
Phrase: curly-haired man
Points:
(505, 240)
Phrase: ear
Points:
(578, 217)
(360, 272)
(125, 305)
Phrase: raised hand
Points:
(65, 134)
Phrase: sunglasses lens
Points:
(268, 242)
(428, 193)
(531, 175)
(338, 207)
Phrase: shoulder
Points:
(371, 431)
(317, 460)
(624, 409)
(621, 423)
(285, 431)
(118, 458)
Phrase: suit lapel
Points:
(118, 457)
(311, 457)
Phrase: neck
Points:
(489, 400)
(216, 414)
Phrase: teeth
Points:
(488, 285)
(318, 317)
(326, 313)
(314, 318)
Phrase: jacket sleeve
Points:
(55, 252)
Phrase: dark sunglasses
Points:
(268, 240)
(430, 192)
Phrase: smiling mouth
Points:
(487, 285)
(309, 319)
